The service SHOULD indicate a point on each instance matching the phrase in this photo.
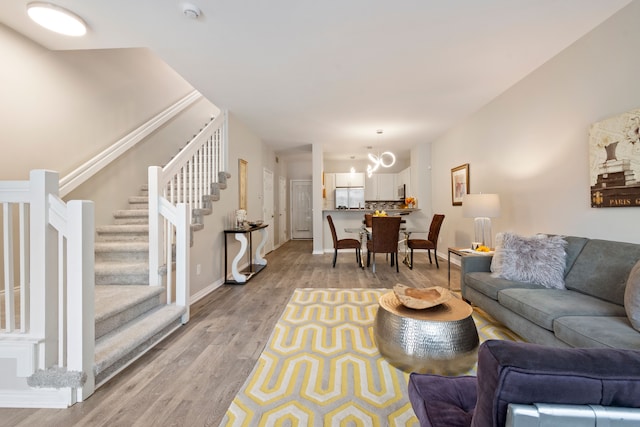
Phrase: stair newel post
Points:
(80, 293)
(183, 229)
(155, 225)
(43, 271)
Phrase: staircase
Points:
(131, 316)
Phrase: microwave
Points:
(402, 191)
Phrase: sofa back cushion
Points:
(602, 268)
(516, 372)
(573, 249)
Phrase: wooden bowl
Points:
(421, 298)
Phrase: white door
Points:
(268, 207)
(282, 210)
(301, 212)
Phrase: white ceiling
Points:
(298, 72)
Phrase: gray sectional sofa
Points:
(590, 312)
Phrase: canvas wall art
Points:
(614, 156)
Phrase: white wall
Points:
(59, 109)
(530, 145)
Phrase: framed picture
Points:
(242, 183)
(459, 183)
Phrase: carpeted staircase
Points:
(131, 316)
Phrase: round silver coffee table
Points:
(440, 340)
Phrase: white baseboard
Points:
(37, 398)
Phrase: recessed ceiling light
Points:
(57, 19)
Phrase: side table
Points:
(439, 340)
(240, 278)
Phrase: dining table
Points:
(365, 233)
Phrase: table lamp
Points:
(481, 207)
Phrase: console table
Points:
(256, 262)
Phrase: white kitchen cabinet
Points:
(350, 179)
(387, 186)
(404, 177)
(381, 186)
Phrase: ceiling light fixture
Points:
(57, 19)
(379, 160)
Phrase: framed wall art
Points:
(459, 183)
(614, 154)
(242, 183)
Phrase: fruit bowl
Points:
(421, 298)
(255, 223)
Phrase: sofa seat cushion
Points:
(543, 306)
(597, 331)
(442, 401)
(488, 285)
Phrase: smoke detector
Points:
(191, 11)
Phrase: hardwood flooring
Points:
(191, 377)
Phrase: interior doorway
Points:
(301, 209)
(282, 210)
(268, 207)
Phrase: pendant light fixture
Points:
(386, 159)
(57, 19)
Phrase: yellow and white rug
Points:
(321, 367)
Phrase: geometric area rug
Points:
(321, 366)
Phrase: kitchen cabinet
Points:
(387, 186)
(381, 186)
(349, 179)
(404, 177)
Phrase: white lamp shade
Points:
(480, 205)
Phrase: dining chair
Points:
(342, 243)
(384, 239)
(367, 220)
(431, 243)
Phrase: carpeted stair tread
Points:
(131, 216)
(123, 228)
(131, 212)
(125, 246)
(113, 299)
(102, 268)
(122, 345)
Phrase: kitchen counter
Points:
(406, 211)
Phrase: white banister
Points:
(43, 293)
(185, 183)
(56, 286)
(80, 293)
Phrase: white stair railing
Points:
(49, 269)
(184, 184)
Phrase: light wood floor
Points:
(191, 377)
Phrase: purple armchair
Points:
(521, 373)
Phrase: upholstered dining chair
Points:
(431, 243)
(385, 231)
(342, 243)
(367, 220)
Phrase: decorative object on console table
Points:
(460, 184)
(481, 207)
(614, 161)
(242, 183)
